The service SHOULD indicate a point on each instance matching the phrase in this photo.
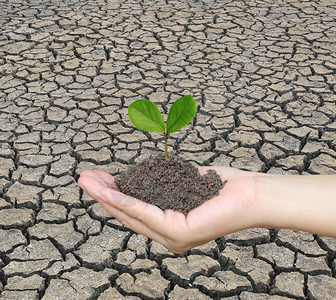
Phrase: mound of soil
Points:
(169, 183)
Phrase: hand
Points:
(232, 210)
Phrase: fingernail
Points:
(100, 196)
(82, 187)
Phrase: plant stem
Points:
(166, 145)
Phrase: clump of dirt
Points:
(169, 183)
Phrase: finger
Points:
(87, 173)
(92, 174)
(104, 178)
(108, 178)
(128, 221)
(133, 223)
(167, 224)
(129, 206)
(141, 212)
(94, 188)
(91, 183)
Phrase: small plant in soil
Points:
(167, 181)
(146, 116)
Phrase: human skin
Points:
(248, 200)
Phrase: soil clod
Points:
(169, 183)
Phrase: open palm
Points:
(230, 211)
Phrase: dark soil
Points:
(169, 183)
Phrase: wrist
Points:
(267, 199)
(301, 202)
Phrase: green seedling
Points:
(146, 116)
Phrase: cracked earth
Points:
(263, 74)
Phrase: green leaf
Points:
(145, 115)
(181, 113)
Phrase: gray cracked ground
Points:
(263, 75)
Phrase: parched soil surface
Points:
(263, 75)
(169, 183)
